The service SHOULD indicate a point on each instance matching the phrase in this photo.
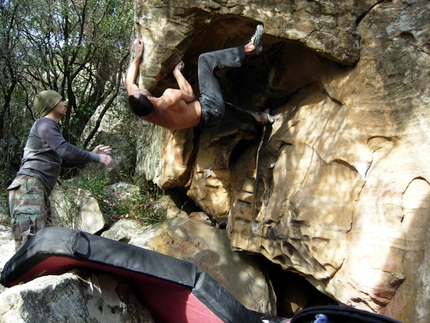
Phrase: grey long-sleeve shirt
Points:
(46, 151)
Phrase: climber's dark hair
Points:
(141, 106)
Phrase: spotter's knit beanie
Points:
(45, 101)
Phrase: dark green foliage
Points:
(78, 48)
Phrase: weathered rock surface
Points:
(77, 210)
(92, 297)
(209, 249)
(340, 188)
(7, 247)
(73, 297)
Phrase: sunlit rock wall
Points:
(337, 189)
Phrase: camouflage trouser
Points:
(30, 208)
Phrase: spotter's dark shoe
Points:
(263, 118)
(256, 39)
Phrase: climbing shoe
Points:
(256, 39)
(263, 118)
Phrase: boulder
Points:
(7, 247)
(76, 209)
(209, 249)
(73, 297)
(337, 189)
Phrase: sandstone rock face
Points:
(338, 188)
(206, 247)
(165, 156)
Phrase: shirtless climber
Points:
(178, 108)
